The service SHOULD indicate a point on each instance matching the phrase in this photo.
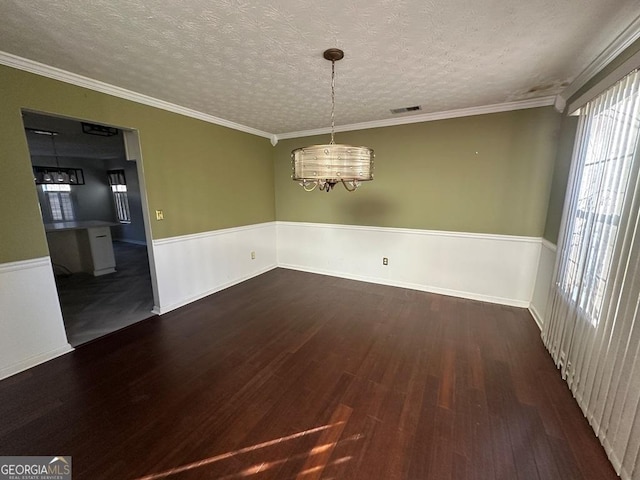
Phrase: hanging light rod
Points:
(324, 166)
(39, 131)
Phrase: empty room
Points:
(320, 240)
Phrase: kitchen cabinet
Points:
(82, 246)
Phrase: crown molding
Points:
(428, 117)
(560, 103)
(606, 82)
(55, 73)
(621, 42)
(38, 68)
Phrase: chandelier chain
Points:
(55, 150)
(333, 98)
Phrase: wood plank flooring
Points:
(292, 375)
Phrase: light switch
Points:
(159, 215)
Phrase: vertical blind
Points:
(593, 325)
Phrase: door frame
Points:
(133, 153)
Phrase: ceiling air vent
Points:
(406, 109)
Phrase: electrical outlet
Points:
(253, 255)
(385, 261)
(159, 215)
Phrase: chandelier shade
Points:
(327, 165)
(324, 166)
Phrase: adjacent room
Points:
(89, 198)
(361, 240)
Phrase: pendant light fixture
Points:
(323, 166)
(55, 175)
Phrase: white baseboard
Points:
(191, 267)
(414, 286)
(30, 362)
(544, 278)
(492, 268)
(133, 242)
(206, 293)
(31, 330)
(536, 316)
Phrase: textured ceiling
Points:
(259, 63)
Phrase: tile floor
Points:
(95, 306)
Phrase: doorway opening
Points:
(91, 194)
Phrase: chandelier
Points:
(323, 166)
(45, 175)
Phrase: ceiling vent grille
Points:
(406, 109)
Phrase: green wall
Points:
(484, 174)
(204, 176)
(560, 178)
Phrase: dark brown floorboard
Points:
(299, 376)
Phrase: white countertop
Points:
(59, 226)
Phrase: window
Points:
(592, 329)
(119, 190)
(60, 204)
(607, 144)
(121, 202)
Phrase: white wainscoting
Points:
(492, 268)
(544, 277)
(191, 267)
(31, 327)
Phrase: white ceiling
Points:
(259, 63)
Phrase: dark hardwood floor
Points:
(299, 376)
